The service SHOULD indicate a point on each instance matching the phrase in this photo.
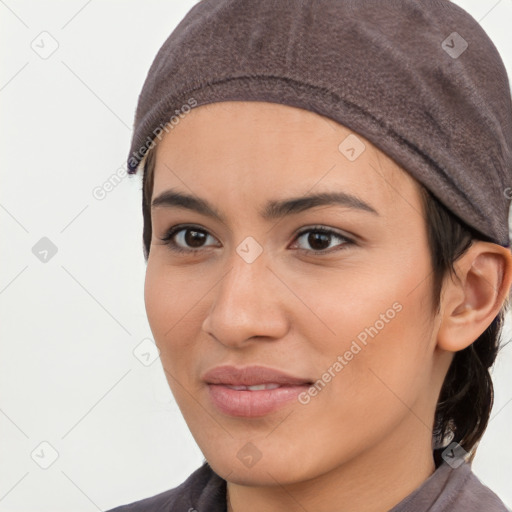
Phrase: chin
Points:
(248, 466)
(264, 473)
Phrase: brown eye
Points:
(194, 238)
(319, 239)
(186, 238)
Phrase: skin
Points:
(364, 441)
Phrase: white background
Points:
(68, 375)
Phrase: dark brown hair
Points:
(466, 397)
(465, 402)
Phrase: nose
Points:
(247, 303)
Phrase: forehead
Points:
(258, 149)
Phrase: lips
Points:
(252, 391)
(251, 376)
(257, 387)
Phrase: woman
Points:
(325, 200)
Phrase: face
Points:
(334, 293)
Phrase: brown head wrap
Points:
(420, 79)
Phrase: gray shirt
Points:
(446, 490)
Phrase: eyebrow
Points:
(274, 209)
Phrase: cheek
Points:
(157, 299)
(372, 374)
(373, 348)
(176, 306)
(379, 296)
(169, 298)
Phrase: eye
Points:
(320, 238)
(185, 238)
(191, 239)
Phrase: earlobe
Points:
(474, 296)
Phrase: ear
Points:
(472, 298)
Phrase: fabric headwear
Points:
(420, 79)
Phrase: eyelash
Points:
(168, 239)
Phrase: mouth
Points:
(252, 391)
(256, 387)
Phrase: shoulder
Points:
(452, 489)
(203, 489)
(474, 495)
